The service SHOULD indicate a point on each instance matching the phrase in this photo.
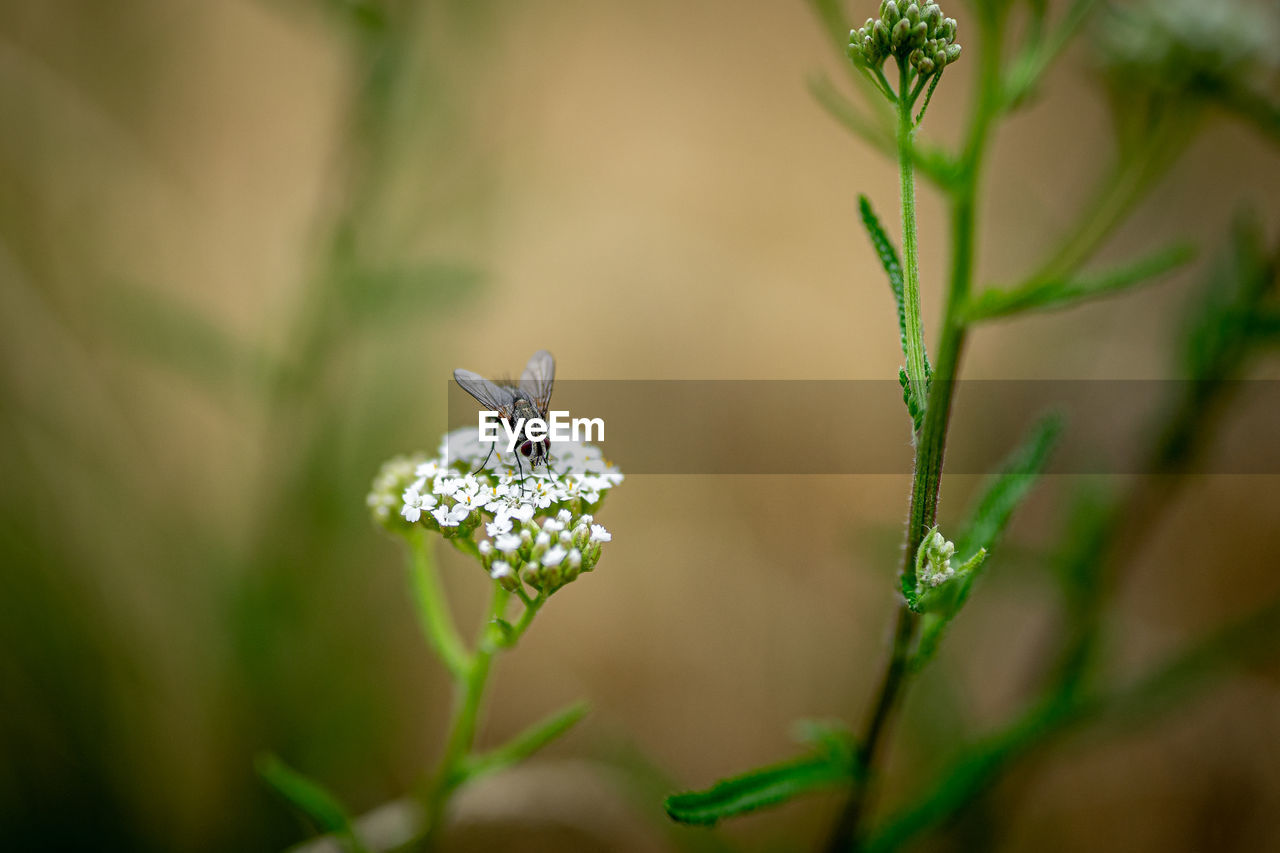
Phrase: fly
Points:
(517, 404)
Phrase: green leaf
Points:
(309, 797)
(888, 256)
(1064, 293)
(990, 516)
(913, 408)
(400, 294)
(503, 634)
(526, 743)
(175, 335)
(1008, 489)
(757, 789)
(1232, 309)
(831, 738)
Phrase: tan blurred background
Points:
(190, 416)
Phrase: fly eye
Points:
(526, 448)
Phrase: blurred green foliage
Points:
(261, 659)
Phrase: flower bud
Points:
(504, 575)
(898, 35)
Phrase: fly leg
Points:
(546, 460)
(485, 462)
(520, 468)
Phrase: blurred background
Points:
(242, 246)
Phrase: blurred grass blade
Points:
(757, 789)
(848, 114)
(309, 797)
(527, 742)
(831, 738)
(1063, 293)
(173, 334)
(402, 294)
(1008, 488)
(1250, 640)
(834, 20)
(1236, 303)
(1003, 494)
(1266, 326)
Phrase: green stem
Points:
(462, 730)
(910, 256)
(433, 611)
(1122, 188)
(931, 441)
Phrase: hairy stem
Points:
(931, 440)
(910, 255)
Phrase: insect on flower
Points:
(517, 404)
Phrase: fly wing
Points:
(494, 397)
(538, 377)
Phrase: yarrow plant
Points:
(1156, 56)
(531, 533)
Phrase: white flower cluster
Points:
(526, 526)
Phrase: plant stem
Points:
(1124, 185)
(911, 267)
(931, 440)
(453, 768)
(462, 731)
(433, 611)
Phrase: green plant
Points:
(532, 535)
(1160, 86)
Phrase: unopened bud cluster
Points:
(917, 34)
(534, 528)
(933, 561)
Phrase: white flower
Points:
(500, 524)
(496, 496)
(414, 504)
(447, 486)
(471, 500)
(450, 516)
(529, 515)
